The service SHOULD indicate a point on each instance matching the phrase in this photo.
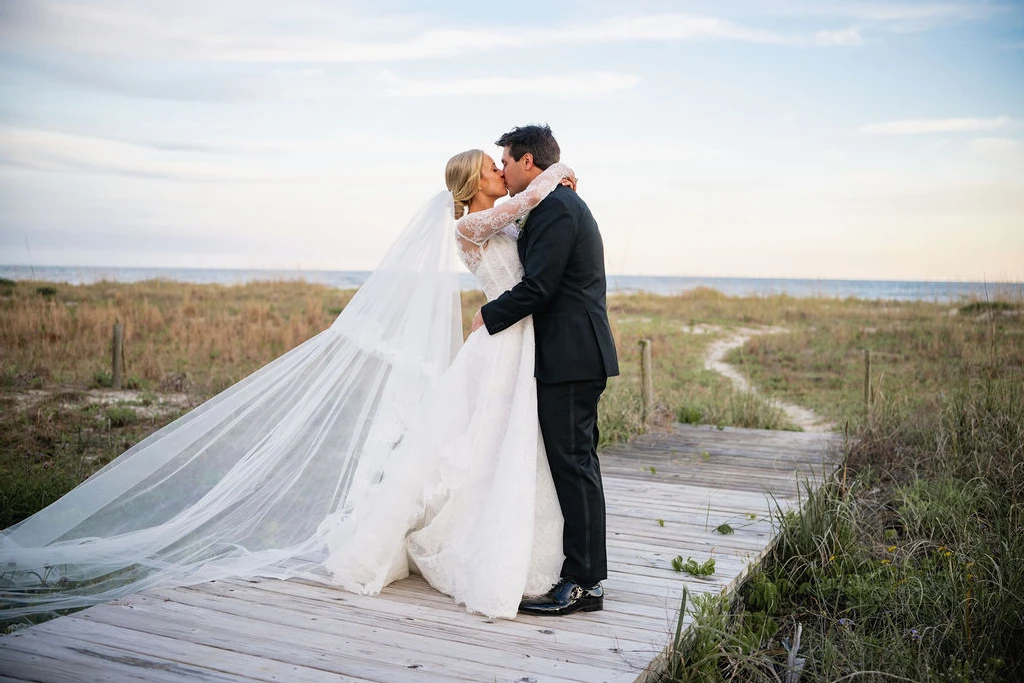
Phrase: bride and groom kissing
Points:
(523, 511)
(385, 444)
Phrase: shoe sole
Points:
(589, 607)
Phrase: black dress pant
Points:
(568, 423)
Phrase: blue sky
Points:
(762, 138)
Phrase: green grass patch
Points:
(907, 566)
(54, 443)
(121, 416)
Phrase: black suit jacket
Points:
(564, 289)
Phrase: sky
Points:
(826, 139)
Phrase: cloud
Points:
(997, 148)
(965, 199)
(324, 35)
(897, 16)
(662, 27)
(873, 17)
(896, 11)
(565, 85)
(922, 126)
(126, 78)
(62, 152)
(185, 81)
(849, 36)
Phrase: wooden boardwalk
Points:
(692, 479)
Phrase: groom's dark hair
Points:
(537, 140)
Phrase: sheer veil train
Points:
(240, 485)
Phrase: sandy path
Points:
(714, 359)
(159, 404)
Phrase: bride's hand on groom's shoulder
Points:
(570, 181)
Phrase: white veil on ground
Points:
(240, 485)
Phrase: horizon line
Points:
(608, 275)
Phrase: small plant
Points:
(101, 379)
(136, 383)
(690, 415)
(121, 416)
(691, 567)
(46, 291)
(985, 306)
(724, 529)
(660, 522)
(720, 644)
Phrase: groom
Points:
(564, 289)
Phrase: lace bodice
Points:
(497, 266)
(486, 244)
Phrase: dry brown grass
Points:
(203, 337)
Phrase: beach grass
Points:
(908, 565)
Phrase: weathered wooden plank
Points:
(712, 453)
(416, 592)
(63, 656)
(424, 648)
(177, 615)
(622, 625)
(780, 480)
(438, 617)
(621, 609)
(696, 474)
(226, 661)
(324, 654)
(712, 442)
(682, 435)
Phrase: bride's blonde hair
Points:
(462, 176)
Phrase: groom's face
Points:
(516, 172)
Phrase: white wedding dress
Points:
(466, 498)
(381, 443)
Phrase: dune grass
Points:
(178, 336)
(909, 564)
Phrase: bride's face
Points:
(492, 180)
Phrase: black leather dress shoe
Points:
(565, 597)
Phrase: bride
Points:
(374, 447)
(467, 497)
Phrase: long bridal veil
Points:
(240, 485)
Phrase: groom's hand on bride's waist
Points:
(478, 321)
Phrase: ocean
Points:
(894, 290)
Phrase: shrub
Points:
(121, 416)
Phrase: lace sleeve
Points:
(479, 227)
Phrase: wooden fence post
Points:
(646, 382)
(118, 371)
(867, 383)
